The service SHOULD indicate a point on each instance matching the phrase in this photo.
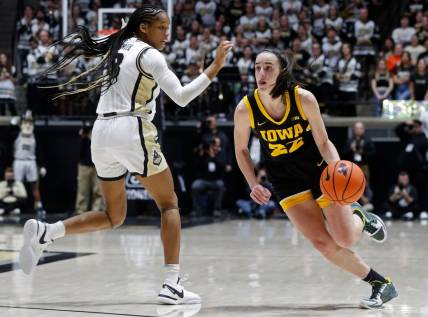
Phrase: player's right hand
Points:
(260, 194)
(221, 53)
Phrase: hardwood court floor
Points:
(240, 268)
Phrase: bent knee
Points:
(345, 241)
(324, 246)
(169, 203)
(116, 220)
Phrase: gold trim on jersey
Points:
(301, 197)
(264, 112)
(323, 202)
(298, 103)
(250, 111)
(295, 199)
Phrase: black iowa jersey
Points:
(293, 161)
(285, 140)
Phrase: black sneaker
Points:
(381, 294)
(374, 227)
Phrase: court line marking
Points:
(73, 311)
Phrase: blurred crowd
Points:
(336, 46)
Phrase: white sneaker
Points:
(423, 215)
(34, 245)
(175, 294)
(15, 212)
(388, 215)
(178, 310)
(408, 215)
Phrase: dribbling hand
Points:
(260, 194)
(221, 53)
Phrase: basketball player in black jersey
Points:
(296, 148)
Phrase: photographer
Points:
(12, 194)
(403, 198)
(208, 187)
(413, 156)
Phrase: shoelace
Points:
(377, 290)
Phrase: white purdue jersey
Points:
(135, 90)
(25, 148)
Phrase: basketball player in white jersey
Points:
(25, 164)
(124, 139)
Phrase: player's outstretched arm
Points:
(154, 63)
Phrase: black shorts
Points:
(297, 181)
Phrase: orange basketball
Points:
(342, 182)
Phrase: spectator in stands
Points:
(331, 47)
(365, 36)
(348, 73)
(88, 191)
(287, 32)
(403, 34)
(188, 15)
(208, 42)
(333, 20)
(291, 9)
(76, 19)
(245, 62)
(320, 75)
(12, 194)
(422, 33)
(382, 86)
(305, 39)
(24, 34)
(402, 77)
(394, 59)
(275, 21)
(206, 10)
(40, 23)
(92, 15)
(276, 43)
(403, 198)
(320, 11)
(419, 82)
(41, 58)
(424, 55)
(263, 34)
(249, 21)
(415, 49)
(7, 86)
(193, 52)
(387, 49)
(209, 169)
(264, 9)
(236, 10)
(360, 150)
(412, 158)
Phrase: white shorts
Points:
(25, 170)
(123, 144)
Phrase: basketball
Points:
(342, 182)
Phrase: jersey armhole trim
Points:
(250, 111)
(298, 103)
(140, 69)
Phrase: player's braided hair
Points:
(285, 80)
(80, 43)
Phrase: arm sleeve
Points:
(154, 63)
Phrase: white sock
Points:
(171, 273)
(56, 230)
